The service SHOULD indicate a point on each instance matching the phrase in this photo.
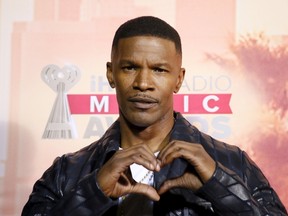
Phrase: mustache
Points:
(140, 97)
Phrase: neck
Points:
(155, 136)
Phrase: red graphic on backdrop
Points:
(184, 103)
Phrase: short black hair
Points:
(147, 26)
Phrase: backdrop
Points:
(55, 98)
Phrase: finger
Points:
(142, 155)
(174, 149)
(192, 152)
(172, 146)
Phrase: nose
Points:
(143, 80)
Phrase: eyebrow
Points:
(157, 64)
(126, 61)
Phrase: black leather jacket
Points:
(237, 187)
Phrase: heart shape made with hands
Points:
(68, 76)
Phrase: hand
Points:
(196, 156)
(115, 179)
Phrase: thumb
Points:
(167, 185)
(188, 180)
(146, 190)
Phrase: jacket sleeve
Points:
(52, 194)
(249, 195)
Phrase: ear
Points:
(180, 79)
(109, 74)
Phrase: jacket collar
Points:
(182, 130)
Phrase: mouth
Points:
(143, 101)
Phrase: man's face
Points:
(145, 71)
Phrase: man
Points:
(151, 161)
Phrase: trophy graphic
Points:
(60, 124)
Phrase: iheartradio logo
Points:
(60, 124)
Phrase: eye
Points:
(159, 70)
(129, 68)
